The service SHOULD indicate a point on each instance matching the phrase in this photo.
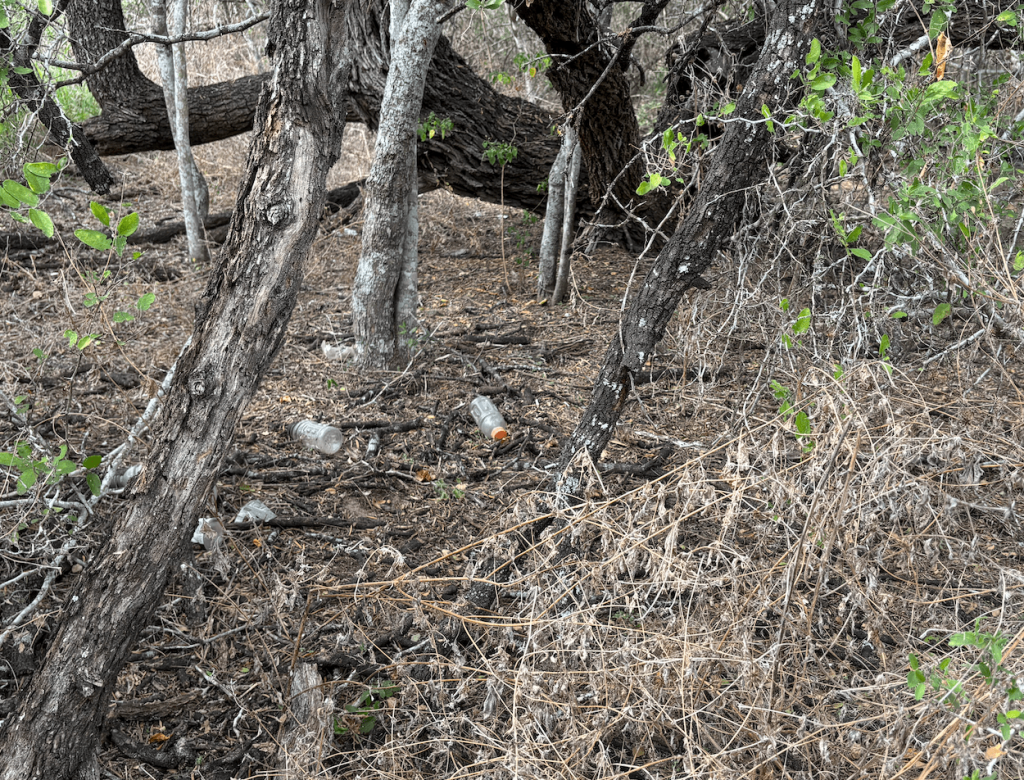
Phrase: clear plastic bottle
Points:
(488, 418)
(318, 436)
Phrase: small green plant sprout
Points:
(47, 470)
(942, 311)
(16, 196)
(445, 491)
(782, 395)
(973, 705)
(484, 5)
(97, 239)
(847, 239)
(432, 126)
(499, 153)
(651, 182)
(800, 326)
(361, 715)
(800, 419)
(883, 353)
(80, 342)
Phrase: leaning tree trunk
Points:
(54, 733)
(739, 163)
(385, 231)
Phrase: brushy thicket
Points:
(826, 586)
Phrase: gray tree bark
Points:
(739, 163)
(551, 239)
(54, 733)
(572, 187)
(386, 229)
(169, 20)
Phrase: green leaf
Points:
(93, 481)
(1009, 18)
(1018, 262)
(100, 212)
(94, 239)
(85, 341)
(803, 322)
(860, 252)
(941, 312)
(38, 184)
(842, 167)
(45, 7)
(936, 23)
(122, 316)
(367, 724)
(728, 109)
(814, 53)
(4, 21)
(41, 168)
(146, 301)
(72, 337)
(855, 68)
(128, 224)
(92, 461)
(823, 82)
(9, 200)
(26, 481)
(21, 192)
(899, 315)
(6, 458)
(42, 221)
(803, 424)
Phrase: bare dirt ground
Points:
(747, 607)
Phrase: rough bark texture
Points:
(54, 734)
(386, 220)
(591, 81)
(477, 111)
(739, 163)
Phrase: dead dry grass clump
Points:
(751, 614)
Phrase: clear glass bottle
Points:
(488, 418)
(318, 436)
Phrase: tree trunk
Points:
(739, 163)
(54, 733)
(195, 196)
(386, 225)
(591, 81)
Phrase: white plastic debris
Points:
(209, 533)
(337, 353)
(255, 512)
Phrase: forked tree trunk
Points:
(739, 163)
(54, 733)
(386, 228)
